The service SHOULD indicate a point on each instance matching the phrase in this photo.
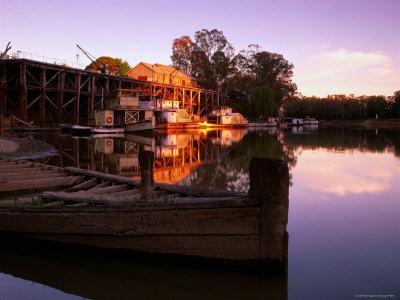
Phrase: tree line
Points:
(112, 66)
(342, 107)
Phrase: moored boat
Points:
(310, 121)
(222, 116)
(96, 209)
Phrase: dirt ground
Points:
(24, 148)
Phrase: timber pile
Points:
(25, 183)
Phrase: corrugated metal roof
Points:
(167, 70)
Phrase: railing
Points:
(42, 58)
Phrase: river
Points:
(344, 224)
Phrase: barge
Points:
(71, 205)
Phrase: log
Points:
(84, 185)
(39, 175)
(194, 191)
(37, 184)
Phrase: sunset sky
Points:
(337, 47)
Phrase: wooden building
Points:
(161, 74)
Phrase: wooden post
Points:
(1, 124)
(92, 93)
(146, 159)
(269, 182)
(60, 98)
(42, 106)
(3, 89)
(23, 94)
(77, 100)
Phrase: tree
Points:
(181, 53)
(123, 66)
(109, 63)
(262, 102)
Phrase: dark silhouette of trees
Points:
(342, 107)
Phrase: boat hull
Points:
(139, 126)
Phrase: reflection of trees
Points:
(340, 139)
(230, 169)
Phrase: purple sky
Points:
(337, 47)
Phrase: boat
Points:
(106, 130)
(175, 118)
(222, 116)
(84, 207)
(80, 130)
(140, 126)
(310, 121)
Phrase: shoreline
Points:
(393, 124)
(24, 148)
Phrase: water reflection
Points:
(96, 274)
(344, 224)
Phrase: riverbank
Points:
(24, 148)
(393, 124)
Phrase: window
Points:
(142, 77)
(183, 82)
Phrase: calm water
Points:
(344, 224)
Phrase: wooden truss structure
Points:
(49, 94)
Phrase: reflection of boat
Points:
(107, 211)
(107, 135)
(222, 116)
(96, 274)
(81, 130)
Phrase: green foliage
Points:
(210, 58)
(123, 66)
(109, 63)
(262, 102)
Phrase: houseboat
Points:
(310, 121)
(222, 116)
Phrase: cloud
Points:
(342, 71)
(342, 174)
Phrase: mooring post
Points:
(146, 159)
(269, 182)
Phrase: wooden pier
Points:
(49, 94)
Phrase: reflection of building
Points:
(227, 137)
(161, 74)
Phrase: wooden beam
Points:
(23, 92)
(3, 89)
(42, 97)
(60, 96)
(77, 97)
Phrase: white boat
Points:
(145, 125)
(222, 116)
(81, 130)
(109, 130)
(310, 121)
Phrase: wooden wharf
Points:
(91, 208)
(49, 94)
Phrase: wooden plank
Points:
(269, 182)
(35, 184)
(221, 221)
(84, 185)
(42, 108)
(234, 247)
(43, 174)
(108, 190)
